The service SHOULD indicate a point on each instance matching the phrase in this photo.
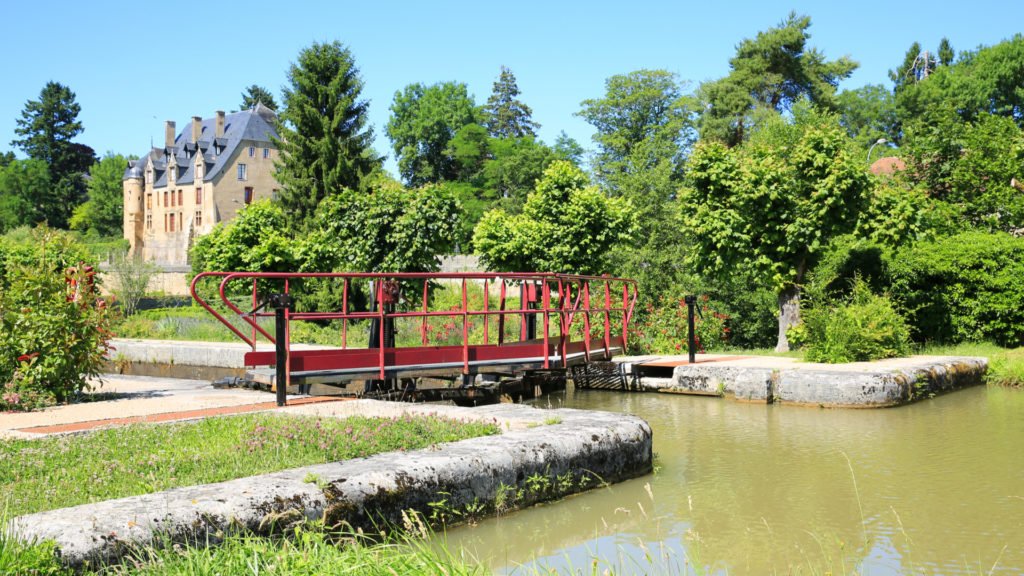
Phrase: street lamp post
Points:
(877, 142)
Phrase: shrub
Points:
(866, 327)
(662, 328)
(132, 274)
(53, 329)
(967, 287)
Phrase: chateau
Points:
(201, 176)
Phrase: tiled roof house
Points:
(201, 176)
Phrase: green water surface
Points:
(936, 487)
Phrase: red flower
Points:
(27, 357)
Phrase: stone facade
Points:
(201, 176)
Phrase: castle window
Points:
(199, 196)
(172, 223)
(181, 197)
(199, 218)
(172, 198)
(149, 221)
(165, 198)
(252, 151)
(241, 172)
(149, 177)
(149, 201)
(248, 195)
(165, 222)
(266, 153)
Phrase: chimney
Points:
(169, 133)
(197, 128)
(220, 124)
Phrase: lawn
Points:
(56, 472)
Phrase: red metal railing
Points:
(556, 301)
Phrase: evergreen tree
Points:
(254, 95)
(771, 72)
(325, 141)
(506, 116)
(47, 127)
(946, 53)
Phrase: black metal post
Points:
(280, 303)
(691, 343)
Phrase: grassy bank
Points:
(304, 552)
(56, 472)
(1006, 365)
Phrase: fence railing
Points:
(558, 315)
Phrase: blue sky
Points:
(134, 65)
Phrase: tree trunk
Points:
(789, 314)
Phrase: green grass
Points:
(1006, 365)
(305, 551)
(56, 472)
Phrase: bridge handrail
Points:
(573, 299)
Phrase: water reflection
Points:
(935, 487)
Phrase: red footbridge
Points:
(401, 334)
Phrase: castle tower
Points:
(133, 210)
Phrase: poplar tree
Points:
(505, 115)
(324, 137)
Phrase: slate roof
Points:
(253, 127)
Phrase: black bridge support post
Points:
(691, 343)
(280, 303)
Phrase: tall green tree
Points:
(25, 190)
(644, 126)
(326, 142)
(975, 167)
(47, 128)
(774, 204)
(946, 53)
(424, 120)
(772, 71)
(566, 226)
(505, 116)
(567, 148)
(103, 211)
(493, 172)
(254, 95)
(868, 113)
(391, 229)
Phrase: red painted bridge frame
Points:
(564, 298)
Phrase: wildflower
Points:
(27, 357)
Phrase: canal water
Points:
(936, 487)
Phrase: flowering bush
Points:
(53, 329)
(661, 327)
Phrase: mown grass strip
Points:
(56, 472)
